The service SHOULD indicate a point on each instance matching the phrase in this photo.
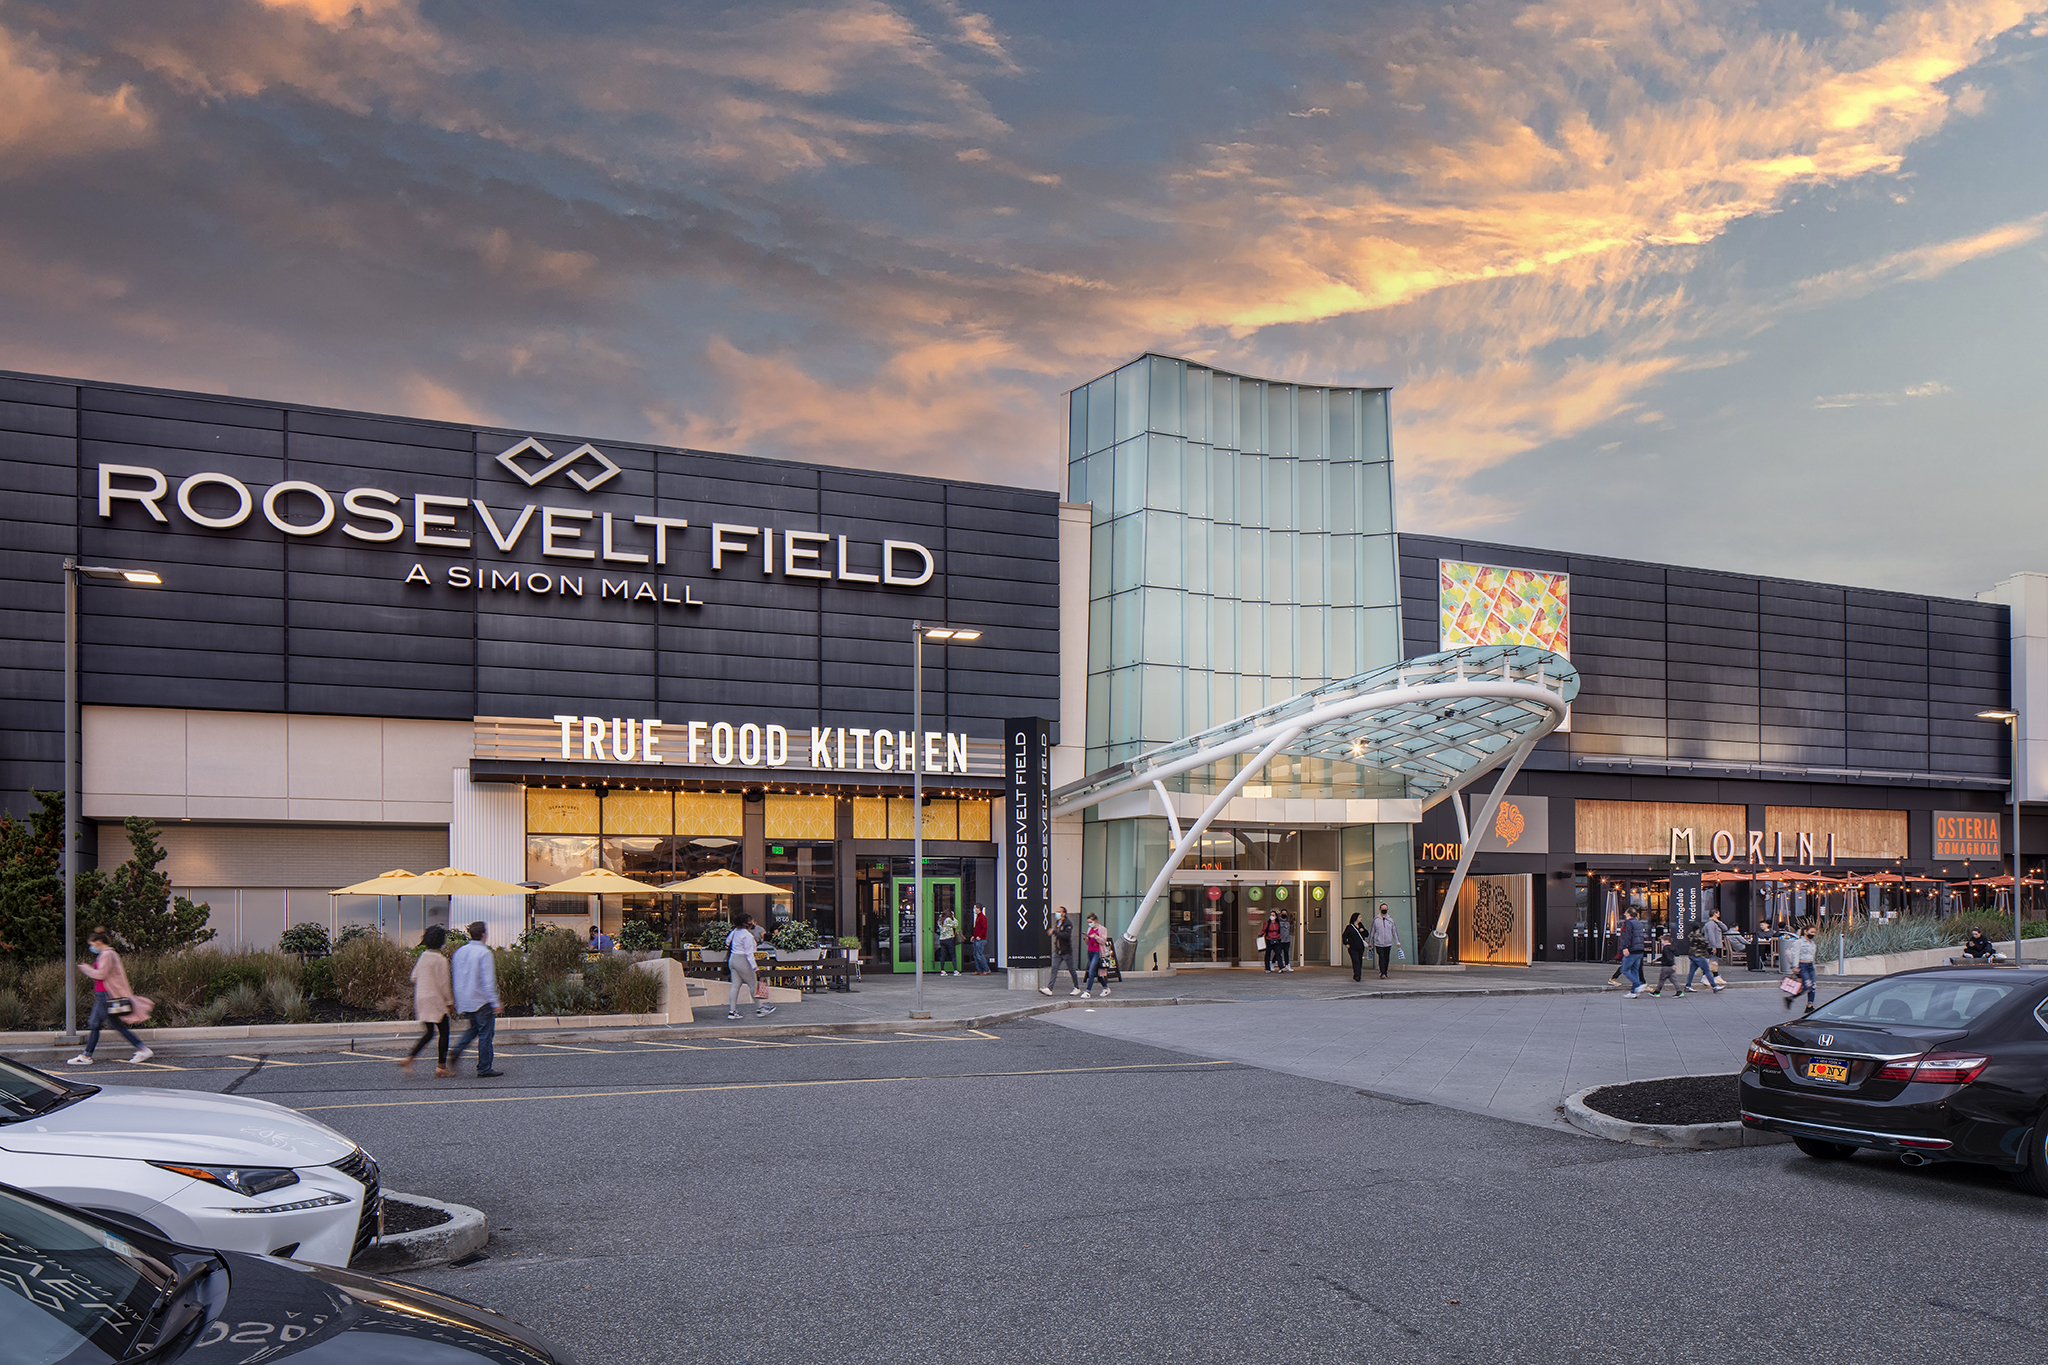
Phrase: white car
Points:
(216, 1171)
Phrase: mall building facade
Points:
(387, 642)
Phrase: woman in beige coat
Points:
(110, 984)
(433, 995)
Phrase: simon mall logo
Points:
(552, 464)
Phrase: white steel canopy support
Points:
(1209, 812)
(1471, 845)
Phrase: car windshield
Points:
(1938, 1001)
(69, 1290)
(25, 1091)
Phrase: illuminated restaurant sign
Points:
(1967, 835)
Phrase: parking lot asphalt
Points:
(1036, 1192)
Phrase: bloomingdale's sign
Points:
(605, 554)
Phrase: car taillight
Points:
(1937, 1068)
(1761, 1056)
(1950, 1068)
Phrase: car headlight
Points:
(249, 1180)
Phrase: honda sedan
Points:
(1946, 1064)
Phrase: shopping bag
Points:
(1260, 943)
(1791, 985)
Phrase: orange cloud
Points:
(49, 112)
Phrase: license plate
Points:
(1827, 1071)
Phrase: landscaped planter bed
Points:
(1698, 1113)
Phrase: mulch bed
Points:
(1681, 1099)
(400, 1216)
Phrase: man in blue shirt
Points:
(600, 941)
(475, 974)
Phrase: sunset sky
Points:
(1747, 286)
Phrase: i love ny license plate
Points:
(1828, 1071)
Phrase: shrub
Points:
(795, 937)
(316, 979)
(552, 952)
(2036, 929)
(31, 881)
(638, 936)
(42, 990)
(234, 974)
(565, 997)
(515, 977)
(849, 941)
(604, 975)
(371, 972)
(286, 998)
(637, 992)
(713, 935)
(209, 1014)
(351, 932)
(177, 982)
(456, 938)
(13, 1013)
(308, 938)
(245, 1001)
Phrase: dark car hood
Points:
(314, 1315)
(1874, 1040)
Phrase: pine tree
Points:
(134, 900)
(32, 881)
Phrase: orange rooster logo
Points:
(1508, 824)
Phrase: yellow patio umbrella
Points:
(724, 883)
(453, 881)
(598, 882)
(396, 882)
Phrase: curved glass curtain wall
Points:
(1243, 551)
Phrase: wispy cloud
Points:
(841, 231)
(1933, 388)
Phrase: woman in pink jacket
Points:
(433, 997)
(110, 984)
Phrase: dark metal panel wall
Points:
(1689, 664)
(253, 619)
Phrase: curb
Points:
(462, 1235)
(1689, 1137)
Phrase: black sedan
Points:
(1947, 1064)
(75, 1290)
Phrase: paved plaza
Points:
(1513, 1057)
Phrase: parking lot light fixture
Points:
(2011, 720)
(73, 571)
(942, 635)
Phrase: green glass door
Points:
(1315, 910)
(941, 896)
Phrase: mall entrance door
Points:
(1315, 924)
(1202, 925)
(941, 895)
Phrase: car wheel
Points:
(2033, 1175)
(1823, 1151)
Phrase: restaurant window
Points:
(807, 870)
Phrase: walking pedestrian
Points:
(113, 1002)
(1386, 937)
(1355, 944)
(1062, 953)
(1287, 943)
(1698, 950)
(1796, 956)
(1635, 934)
(1270, 936)
(433, 995)
(740, 967)
(949, 943)
(1667, 966)
(475, 978)
(1097, 943)
(980, 941)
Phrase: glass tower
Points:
(1242, 552)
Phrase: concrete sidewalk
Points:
(1514, 1057)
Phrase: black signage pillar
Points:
(1027, 841)
(1685, 904)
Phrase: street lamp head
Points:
(145, 577)
(2007, 716)
(950, 635)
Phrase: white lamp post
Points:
(942, 635)
(2012, 723)
(73, 571)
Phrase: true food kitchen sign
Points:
(630, 557)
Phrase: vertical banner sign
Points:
(1027, 843)
(1494, 924)
(1685, 905)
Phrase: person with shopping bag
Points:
(1097, 942)
(113, 1002)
